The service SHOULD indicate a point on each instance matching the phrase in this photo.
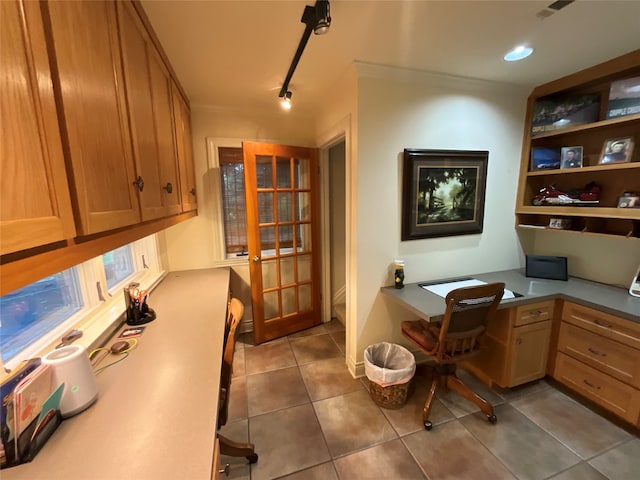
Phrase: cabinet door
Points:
(141, 116)
(95, 117)
(165, 135)
(35, 208)
(182, 122)
(530, 345)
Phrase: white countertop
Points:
(156, 413)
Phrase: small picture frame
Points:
(544, 158)
(617, 150)
(571, 157)
(629, 200)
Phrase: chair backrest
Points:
(465, 320)
(234, 317)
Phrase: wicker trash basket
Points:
(389, 369)
(391, 397)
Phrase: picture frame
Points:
(616, 150)
(545, 158)
(571, 157)
(629, 200)
(443, 193)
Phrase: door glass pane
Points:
(287, 272)
(284, 207)
(32, 311)
(267, 241)
(269, 274)
(304, 292)
(303, 240)
(301, 168)
(288, 301)
(263, 171)
(118, 265)
(286, 238)
(304, 268)
(265, 207)
(283, 172)
(271, 309)
(303, 208)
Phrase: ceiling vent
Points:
(553, 8)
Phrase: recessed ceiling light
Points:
(518, 53)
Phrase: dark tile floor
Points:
(310, 420)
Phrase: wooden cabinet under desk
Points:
(517, 346)
(599, 358)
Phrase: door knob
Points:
(256, 259)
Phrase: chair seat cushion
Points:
(420, 334)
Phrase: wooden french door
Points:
(281, 185)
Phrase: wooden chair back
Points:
(465, 320)
(234, 317)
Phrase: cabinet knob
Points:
(139, 183)
(168, 187)
(193, 191)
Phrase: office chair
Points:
(227, 446)
(455, 339)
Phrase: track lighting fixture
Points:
(317, 20)
(286, 101)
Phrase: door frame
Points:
(341, 131)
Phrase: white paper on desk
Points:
(442, 289)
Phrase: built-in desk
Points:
(155, 417)
(613, 300)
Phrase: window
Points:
(29, 313)
(34, 318)
(118, 265)
(233, 202)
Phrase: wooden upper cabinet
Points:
(182, 119)
(35, 208)
(95, 122)
(149, 103)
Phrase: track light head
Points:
(323, 17)
(286, 100)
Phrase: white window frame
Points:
(99, 317)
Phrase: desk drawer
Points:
(617, 397)
(615, 328)
(616, 359)
(534, 312)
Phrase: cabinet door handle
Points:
(193, 191)
(589, 384)
(519, 341)
(139, 183)
(596, 352)
(168, 187)
(602, 323)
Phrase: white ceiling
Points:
(237, 53)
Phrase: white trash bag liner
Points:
(388, 364)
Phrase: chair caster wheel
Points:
(253, 458)
(428, 425)
(493, 419)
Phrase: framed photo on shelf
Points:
(629, 200)
(617, 150)
(571, 157)
(543, 158)
(443, 193)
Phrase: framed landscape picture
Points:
(544, 158)
(443, 192)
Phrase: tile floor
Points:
(310, 420)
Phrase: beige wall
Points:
(337, 221)
(400, 109)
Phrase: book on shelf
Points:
(8, 437)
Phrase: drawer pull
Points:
(535, 313)
(596, 352)
(589, 384)
(602, 323)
